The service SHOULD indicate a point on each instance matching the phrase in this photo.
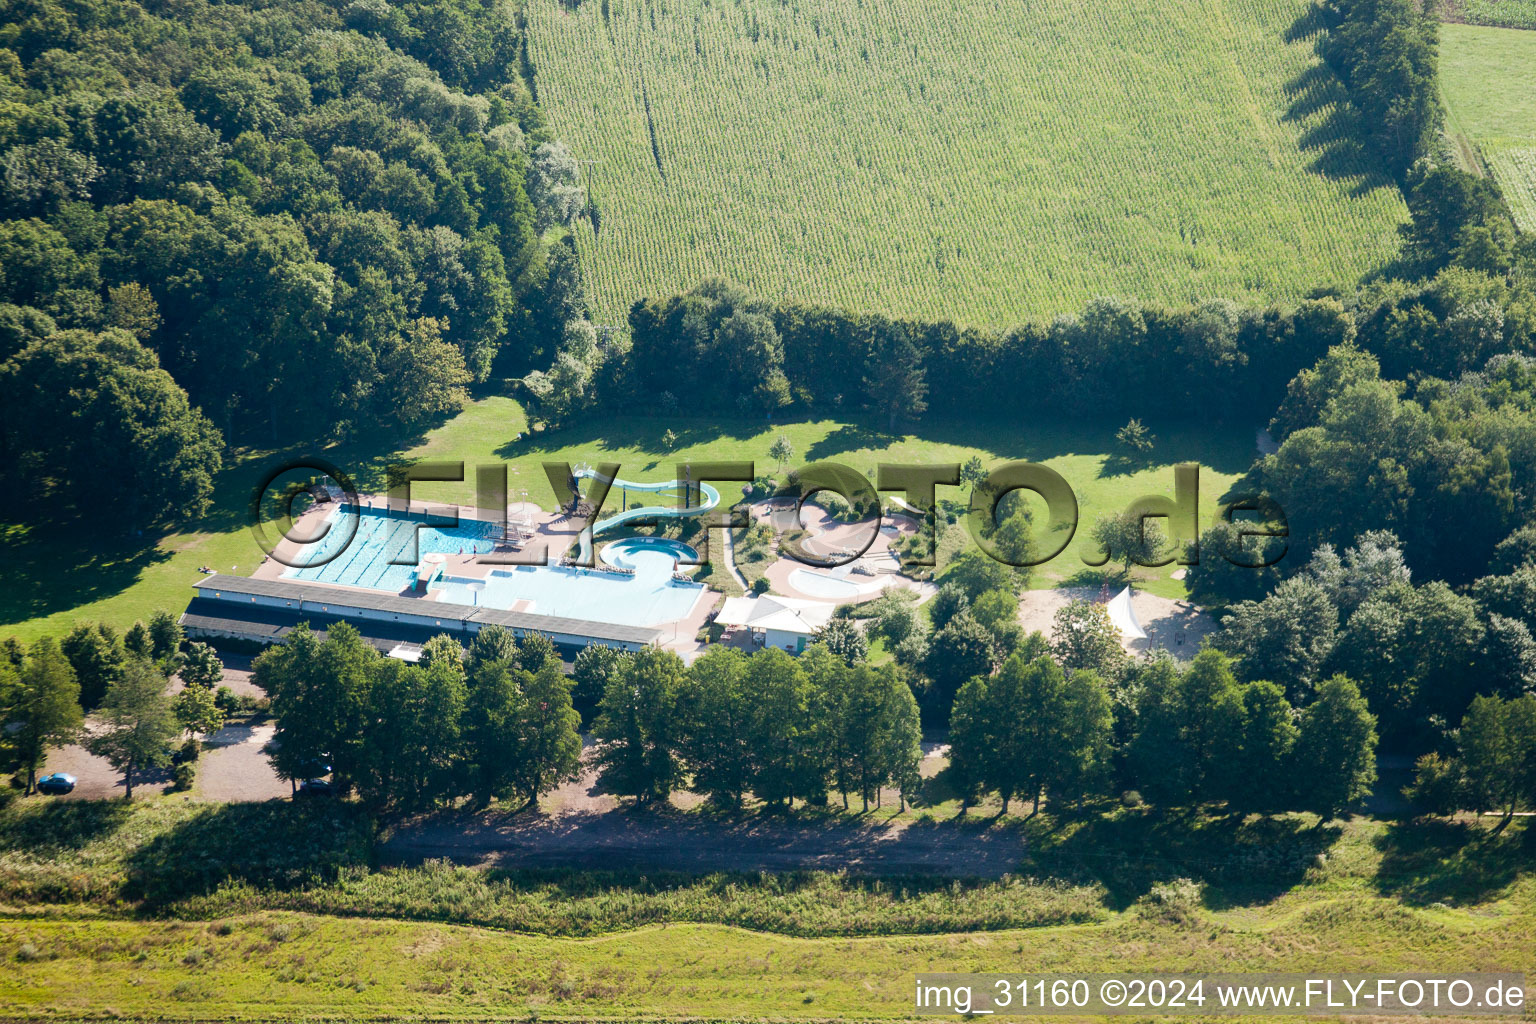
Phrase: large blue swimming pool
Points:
(647, 598)
(364, 560)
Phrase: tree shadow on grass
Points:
(1223, 449)
(1126, 463)
(51, 569)
(631, 431)
(60, 825)
(847, 438)
(1112, 575)
(277, 844)
(1437, 861)
(1242, 861)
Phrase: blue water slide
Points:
(711, 499)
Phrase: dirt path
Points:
(730, 561)
(669, 840)
(578, 825)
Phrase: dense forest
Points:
(236, 223)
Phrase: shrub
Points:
(575, 902)
(760, 585)
(182, 775)
(1176, 902)
(28, 953)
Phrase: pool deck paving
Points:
(826, 537)
(550, 533)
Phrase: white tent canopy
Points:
(783, 614)
(1124, 616)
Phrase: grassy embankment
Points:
(165, 910)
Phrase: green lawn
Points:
(958, 159)
(59, 576)
(1488, 77)
(297, 967)
(106, 916)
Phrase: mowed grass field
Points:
(1488, 77)
(156, 910)
(299, 967)
(57, 577)
(959, 159)
(1427, 898)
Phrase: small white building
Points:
(783, 622)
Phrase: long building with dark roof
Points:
(266, 611)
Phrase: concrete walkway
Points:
(730, 561)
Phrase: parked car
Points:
(57, 783)
(313, 787)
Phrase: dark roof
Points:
(367, 600)
(272, 625)
(194, 618)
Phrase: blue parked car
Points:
(314, 788)
(57, 783)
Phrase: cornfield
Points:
(1514, 168)
(987, 163)
(1504, 13)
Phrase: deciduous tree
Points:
(40, 706)
(1335, 749)
(639, 722)
(137, 723)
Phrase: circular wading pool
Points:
(647, 554)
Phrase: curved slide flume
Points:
(711, 499)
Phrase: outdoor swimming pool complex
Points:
(648, 597)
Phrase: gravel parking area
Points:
(1174, 626)
(237, 675)
(232, 768)
(98, 780)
